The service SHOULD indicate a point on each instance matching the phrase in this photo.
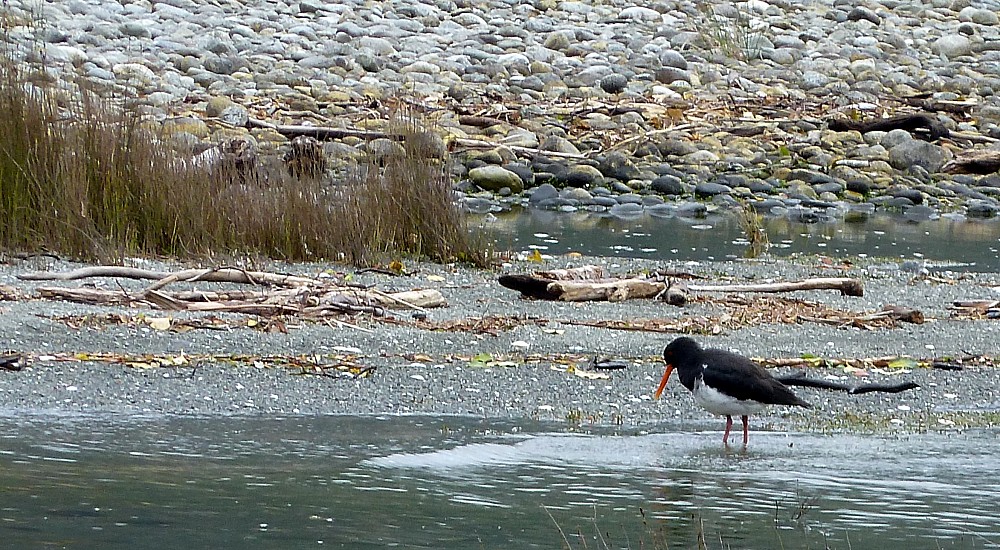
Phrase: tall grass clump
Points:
(753, 229)
(741, 37)
(403, 202)
(85, 177)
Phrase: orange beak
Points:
(663, 381)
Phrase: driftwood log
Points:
(588, 283)
(298, 295)
(986, 161)
(212, 275)
(276, 302)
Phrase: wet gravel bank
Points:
(419, 371)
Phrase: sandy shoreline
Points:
(420, 371)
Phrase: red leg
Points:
(746, 430)
(729, 425)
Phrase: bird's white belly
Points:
(717, 402)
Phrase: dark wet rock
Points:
(733, 180)
(810, 203)
(547, 204)
(934, 191)
(533, 83)
(647, 150)
(487, 157)
(604, 201)
(464, 187)
(619, 187)
(765, 206)
(862, 13)
(858, 186)
(673, 58)
(896, 203)
(630, 198)
(829, 187)
(626, 210)
(661, 210)
(920, 213)
(577, 194)
(988, 191)
(760, 186)
(725, 201)
(476, 205)
(523, 171)
(982, 209)
(914, 196)
(676, 147)
(667, 185)
(711, 189)
(558, 144)
(918, 153)
(545, 191)
(664, 169)
(667, 75)
(918, 173)
(811, 177)
(618, 166)
(546, 164)
(614, 83)
(651, 200)
(692, 210)
(992, 180)
(495, 178)
(962, 190)
(801, 192)
(581, 175)
(801, 214)
(223, 65)
(546, 177)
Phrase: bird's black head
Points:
(681, 354)
(681, 349)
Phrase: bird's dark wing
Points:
(741, 378)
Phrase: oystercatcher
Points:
(724, 383)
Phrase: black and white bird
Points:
(724, 383)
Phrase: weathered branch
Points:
(213, 275)
(321, 132)
(587, 283)
(613, 291)
(483, 144)
(846, 286)
(288, 301)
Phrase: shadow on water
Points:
(665, 235)
(454, 482)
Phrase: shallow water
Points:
(664, 235)
(451, 482)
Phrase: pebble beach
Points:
(606, 106)
(91, 359)
(676, 106)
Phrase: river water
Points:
(972, 244)
(101, 481)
